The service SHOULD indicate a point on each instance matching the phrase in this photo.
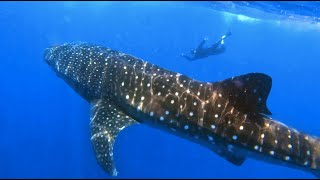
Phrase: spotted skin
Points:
(229, 117)
(106, 122)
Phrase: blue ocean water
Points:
(44, 124)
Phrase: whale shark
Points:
(230, 116)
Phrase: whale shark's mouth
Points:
(52, 56)
(47, 53)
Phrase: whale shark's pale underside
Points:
(230, 117)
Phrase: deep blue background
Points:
(44, 124)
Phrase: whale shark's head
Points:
(81, 65)
(61, 57)
(49, 56)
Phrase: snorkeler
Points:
(201, 52)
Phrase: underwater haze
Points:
(44, 124)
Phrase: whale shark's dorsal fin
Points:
(106, 123)
(248, 93)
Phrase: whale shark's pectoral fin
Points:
(235, 158)
(106, 123)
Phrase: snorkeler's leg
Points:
(202, 43)
(187, 57)
(221, 41)
(221, 49)
(217, 44)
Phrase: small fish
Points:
(230, 117)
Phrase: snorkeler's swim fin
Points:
(227, 34)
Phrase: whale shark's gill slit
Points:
(107, 121)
